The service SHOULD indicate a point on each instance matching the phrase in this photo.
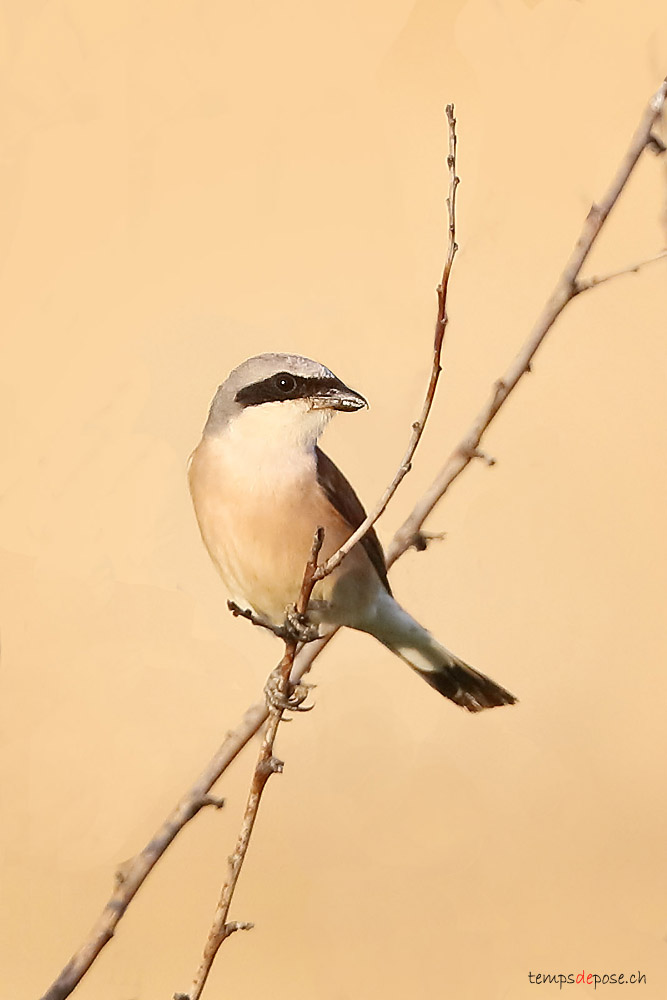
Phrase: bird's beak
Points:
(338, 397)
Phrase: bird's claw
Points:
(291, 700)
(298, 628)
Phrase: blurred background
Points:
(186, 184)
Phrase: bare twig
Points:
(135, 872)
(239, 612)
(656, 144)
(440, 326)
(409, 535)
(292, 628)
(584, 284)
(267, 764)
(566, 289)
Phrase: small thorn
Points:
(212, 800)
(478, 453)
(423, 539)
(120, 875)
(238, 925)
(656, 144)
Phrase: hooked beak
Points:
(338, 397)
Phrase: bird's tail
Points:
(455, 679)
(441, 669)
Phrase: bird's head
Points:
(277, 394)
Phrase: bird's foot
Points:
(297, 627)
(281, 697)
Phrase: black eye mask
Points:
(284, 385)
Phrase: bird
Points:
(261, 486)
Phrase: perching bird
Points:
(261, 486)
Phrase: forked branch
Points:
(267, 764)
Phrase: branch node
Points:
(211, 800)
(469, 450)
(500, 389)
(121, 873)
(237, 925)
(423, 539)
(488, 459)
(275, 765)
(584, 284)
(655, 144)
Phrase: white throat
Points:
(272, 439)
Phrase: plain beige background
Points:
(184, 184)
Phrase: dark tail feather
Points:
(467, 687)
(441, 669)
(452, 677)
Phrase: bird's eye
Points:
(286, 383)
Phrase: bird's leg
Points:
(291, 700)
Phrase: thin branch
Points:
(267, 764)
(239, 612)
(440, 326)
(408, 536)
(586, 283)
(566, 289)
(294, 627)
(135, 872)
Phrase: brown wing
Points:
(341, 496)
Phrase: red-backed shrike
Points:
(261, 486)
